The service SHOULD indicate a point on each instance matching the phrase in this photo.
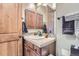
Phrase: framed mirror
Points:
(33, 20)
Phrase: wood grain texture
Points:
(10, 29)
(8, 48)
(8, 19)
(52, 48)
(20, 46)
(32, 50)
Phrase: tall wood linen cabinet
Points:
(10, 29)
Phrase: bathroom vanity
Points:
(35, 45)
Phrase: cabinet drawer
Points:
(29, 44)
(26, 51)
(29, 52)
(44, 50)
(36, 49)
(33, 53)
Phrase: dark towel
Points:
(24, 28)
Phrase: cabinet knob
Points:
(35, 50)
(20, 36)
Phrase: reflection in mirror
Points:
(36, 15)
(32, 20)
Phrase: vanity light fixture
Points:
(54, 6)
(39, 4)
(44, 4)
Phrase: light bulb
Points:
(44, 4)
(54, 6)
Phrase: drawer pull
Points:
(35, 50)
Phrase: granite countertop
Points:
(39, 41)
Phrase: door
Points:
(10, 29)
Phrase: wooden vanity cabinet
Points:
(32, 50)
(29, 49)
(26, 51)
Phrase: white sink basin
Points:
(39, 41)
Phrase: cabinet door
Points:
(33, 53)
(26, 51)
(10, 29)
(52, 48)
